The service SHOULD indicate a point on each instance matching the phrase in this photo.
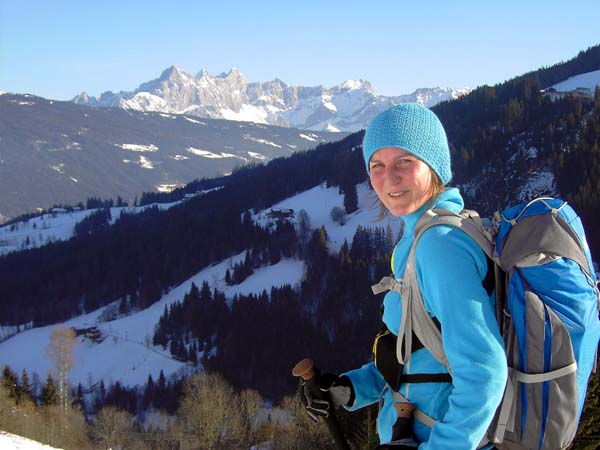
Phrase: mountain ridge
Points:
(55, 152)
(348, 106)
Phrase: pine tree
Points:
(26, 389)
(123, 306)
(248, 270)
(49, 392)
(161, 395)
(389, 237)
(78, 400)
(10, 383)
(148, 393)
(102, 392)
(304, 227)
(193, 354)
(350, 198)
(344, 258)
(194, 293)
(174, 348)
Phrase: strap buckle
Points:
(387, 284)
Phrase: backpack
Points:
(547, 303)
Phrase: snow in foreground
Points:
(13, 442)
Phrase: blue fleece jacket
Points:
(450, 270)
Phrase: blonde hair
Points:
(436, 187)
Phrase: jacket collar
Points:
(450, 199)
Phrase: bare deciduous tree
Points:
(8, 419)
(60, 351)
(63, 429)
(250, 403)
(113, 428)
(338, 215)
(209, 415)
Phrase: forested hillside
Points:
(143, 255)
(491, 126)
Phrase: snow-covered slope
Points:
(58, 225)
(10, 441)
(319, 201)
(346, 107)
(584, 82)
(123, 350)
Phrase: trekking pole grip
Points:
(306, 370)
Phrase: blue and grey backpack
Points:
(547, 304)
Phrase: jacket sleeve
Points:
(450, 269)
(367, 383)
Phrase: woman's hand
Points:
(332, 390)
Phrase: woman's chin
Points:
(399, 209)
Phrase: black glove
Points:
(340, 389)
(320, 392)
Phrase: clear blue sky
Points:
(58, 48)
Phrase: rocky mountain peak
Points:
(202, 74)
(352, 85)
(173, 73)
(233, 73)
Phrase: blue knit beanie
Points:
(413, 128)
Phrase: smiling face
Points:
(402, 181)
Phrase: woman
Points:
(407, 157)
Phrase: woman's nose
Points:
(391, 173)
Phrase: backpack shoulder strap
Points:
(414, 316)
(468, 221)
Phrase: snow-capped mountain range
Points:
(346, 107)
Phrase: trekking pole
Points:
(306, 370)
